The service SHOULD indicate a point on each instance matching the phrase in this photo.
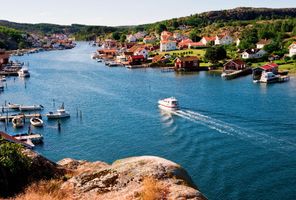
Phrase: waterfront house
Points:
(141, 51)
(223, 39)
(188, 63)
(262, 43)
(253, 53)
(108, 53)
(234, 65)
(160, 59)
(168, 45)
(131, 38)
(292, 49)
(208, 40)
(270, 67)
(136, 59)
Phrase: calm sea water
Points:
(235, 138)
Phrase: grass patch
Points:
(188, 52)
(153, 190)
(290, 66)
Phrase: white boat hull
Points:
(30, 108)
(57, 116)
(36, 122)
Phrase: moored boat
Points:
(35, 121)
(24, 72)
(169, 104)
(30, 138)
(31, 108)
(17, 122)
(3, 79)
(61, 113)
(13, 106)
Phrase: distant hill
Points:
(86, 32)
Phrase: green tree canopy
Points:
(214, 54)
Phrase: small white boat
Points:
(99, 60)
(14, 106)
(113, 64)
(31, 108)
(61, 113)
(168, 104)
(17, 122)
(35, 121)
(24, 72)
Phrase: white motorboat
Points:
(61, 113)
(30, 138)
(17, 122)
(3, 78)
(35, 121)
(169, 104)
(24, 72)
(99, 60)
(31, 108)
(14, 106)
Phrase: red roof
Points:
(137, 57)
(210, 38)
(269, 66)
(9, 138)
(196, 44)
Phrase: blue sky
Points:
(118, 12)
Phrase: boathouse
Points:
(136, 59)
(235, 65)
(188, 63)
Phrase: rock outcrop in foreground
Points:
(140, 178)
(126, 179)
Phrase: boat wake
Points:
(233, 130)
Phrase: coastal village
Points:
(177, 52)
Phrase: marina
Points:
(215, 133)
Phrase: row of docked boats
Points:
(18, 120)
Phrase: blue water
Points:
(235, 138)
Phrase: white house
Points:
(168, 45)
(207, 40)
(292, 49)
(224, 39)
(261, 44)
(253, 53)
(141, 51)
(131, 38)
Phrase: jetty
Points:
(4, 117)
(31, 139)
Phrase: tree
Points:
(193, 36)
(175, 24)
(160, 28)
(116, 35)
(122, 38)
(214, 54)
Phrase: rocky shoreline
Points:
(144, 177)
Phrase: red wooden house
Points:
(188, 63)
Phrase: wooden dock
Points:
(4, 117)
